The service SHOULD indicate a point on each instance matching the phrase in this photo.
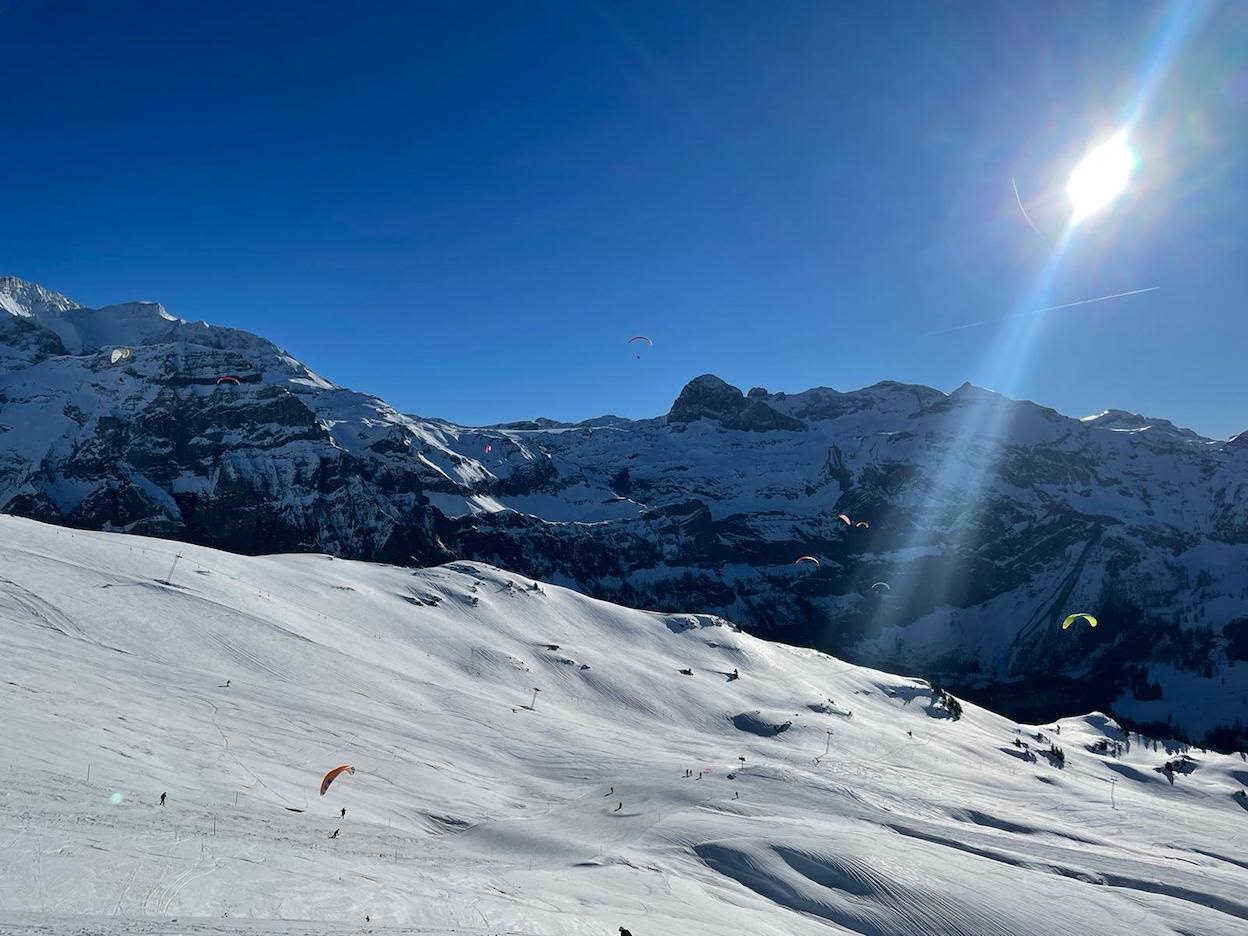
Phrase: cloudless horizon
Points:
(469, 210)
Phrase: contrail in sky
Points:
(1067, 305)
(1064, 305)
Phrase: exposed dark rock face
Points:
(708, 397)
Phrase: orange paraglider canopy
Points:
(333, 774)
(848, 522)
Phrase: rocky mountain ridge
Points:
(987, 519)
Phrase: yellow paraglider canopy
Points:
(1075, 617)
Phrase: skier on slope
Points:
(162, 798)
(343, 815)
(335, 835)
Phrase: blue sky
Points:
(469, 208)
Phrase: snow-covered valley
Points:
(807, 796)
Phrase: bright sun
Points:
(1101, 177)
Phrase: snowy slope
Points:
(990, 518)
(470, 812)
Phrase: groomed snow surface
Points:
(472, 813)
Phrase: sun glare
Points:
(1100, 177)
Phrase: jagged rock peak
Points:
(706, 396)
(27, 300)
(709, 397)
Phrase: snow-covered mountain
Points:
(806, 796)
(987, 519)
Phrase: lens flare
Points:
(1101, 176)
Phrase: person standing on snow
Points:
(343, 815)
(162, 798)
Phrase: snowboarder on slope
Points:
(162, 798)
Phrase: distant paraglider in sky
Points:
(229, 378)
(333, 775)
(863, 524)
(649, 343)
(801, 559)
(119, 354)
(1075, 617)
(848, 522)
(881, 587)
